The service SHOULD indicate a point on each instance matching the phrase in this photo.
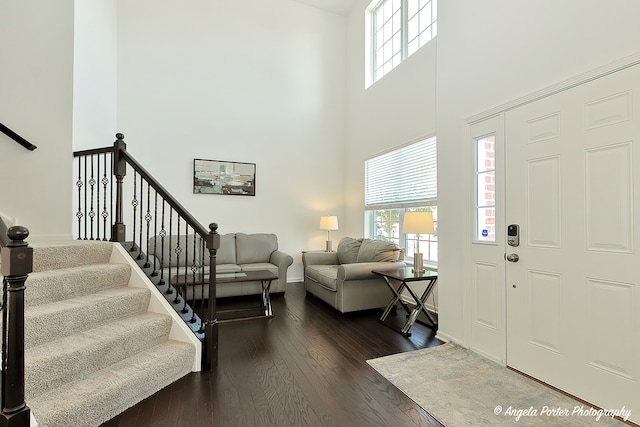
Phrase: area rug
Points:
(461, 388)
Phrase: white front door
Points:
(573, 187)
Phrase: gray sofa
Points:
(344, 279)
(238, 252)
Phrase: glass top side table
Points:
(406, 276)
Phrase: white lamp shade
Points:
(329, 222)
(418, 223)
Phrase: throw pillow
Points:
(348, 250)
(378, 250)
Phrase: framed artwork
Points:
(222, 177)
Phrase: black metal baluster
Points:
(203, 270)
(163, 234)
(105, 213)
(98, 196)
(185, 295)
(92, 212)
(169, 290)
(178, 250)
(79, 184)
(85, 197)
(194, 272)
(148, 219)
(154, 272)
(141, 206)
(134, 203)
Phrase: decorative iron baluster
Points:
(194, 273)
(154, 272)
(85, 197)
(178, 251)
(134, 203)
(163, 234)
(79, 184)
(97, 161)
(148, 219)
(185, 295)
(203, 270)
(139, 257)
(92, 212)
(169, 290)
(105, 213)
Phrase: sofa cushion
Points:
(252, 248)
(348, 250)
(227, 252)
(325, 275)
(378, 250)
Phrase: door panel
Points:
(573, 185)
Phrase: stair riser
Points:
(57, 285)
(76, 315)
(92, 350)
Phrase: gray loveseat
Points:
(238, 252)
(344, 279)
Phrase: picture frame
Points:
(224, 177)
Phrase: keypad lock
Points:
(513, 235)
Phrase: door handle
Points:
(513, 258)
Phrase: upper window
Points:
(398, 29)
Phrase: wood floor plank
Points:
(306, 366)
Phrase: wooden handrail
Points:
(17, 138)
(188, 217)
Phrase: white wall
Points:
(253, 81)
(396, 110)
(489, 53)
(94, 74)
(36, 72)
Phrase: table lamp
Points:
(418, 223)
(329, 223)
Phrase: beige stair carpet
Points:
(92, 349)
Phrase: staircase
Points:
(92, 347)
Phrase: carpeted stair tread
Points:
(53, 256)
(75, 357)
(110, 391)
(62, 318)
(56, 285)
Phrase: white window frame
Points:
(373, 72)
(404, 179)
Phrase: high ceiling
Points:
(341, 7)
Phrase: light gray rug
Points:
(461, 388)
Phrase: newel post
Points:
(210, 357)
(118, 231)
(17, 263)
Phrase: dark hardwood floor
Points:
(306, 366)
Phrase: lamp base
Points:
(418, 265)
(329, 249)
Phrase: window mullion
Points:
(404, 25)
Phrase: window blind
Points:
(402, 178)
